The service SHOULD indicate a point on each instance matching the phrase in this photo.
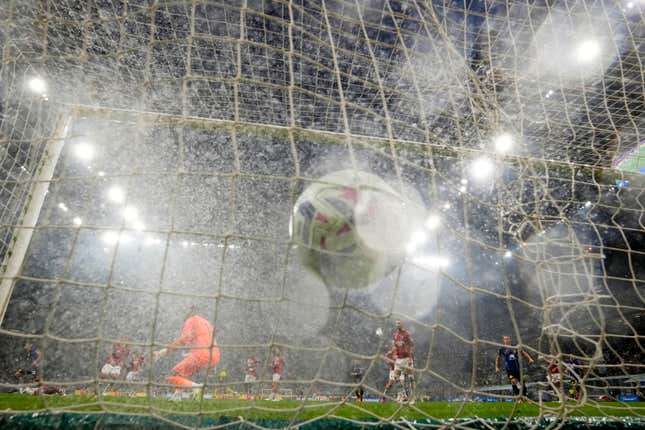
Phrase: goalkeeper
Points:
(197, 333)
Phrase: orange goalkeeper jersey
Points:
(197, 333)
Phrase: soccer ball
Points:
(351, 228)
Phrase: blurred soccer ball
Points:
(351, 228)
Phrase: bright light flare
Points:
(77, 221)
(503, 143)
(508, 254)
(37, 85)
(587, 51)
(116, 194)
(432, 262)
(417, 238)
(110, 237)
(84, 151)
(482, 168)
(151, 240)
(130, 213)
(432, 222)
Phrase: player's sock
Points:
(178, 380)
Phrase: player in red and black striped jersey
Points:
(116, 361)
(137, 361)
(403, 354)
(278, 367)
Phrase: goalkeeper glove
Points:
(156, 355)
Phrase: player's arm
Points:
(527, 356)
(497, 363)
(184, 338)
(38, 358)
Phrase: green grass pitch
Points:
(304, 411)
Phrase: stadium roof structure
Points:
(448, 73)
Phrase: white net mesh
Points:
(190, 128)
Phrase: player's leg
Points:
(409, 379)
(394, 376)
(192, 363)
(247, 386)
(515, 385)
(274, 387)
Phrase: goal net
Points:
(153, 151)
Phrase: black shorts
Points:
(513, 375)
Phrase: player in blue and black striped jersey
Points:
(511, 357)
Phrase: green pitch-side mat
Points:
(86, 412)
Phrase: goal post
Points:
(24, 229)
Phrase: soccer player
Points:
(116, 361)
(390, 358)
(34, 357)
(403, 347)
(574, 368)
(553, 375)
(278, 367)
(357, 376)
(221, 380)
(137, 360)
(197, 333)
(251, 375)
(511, 357)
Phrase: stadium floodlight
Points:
(482, 168)
(77, 221)
(433, 222)
(37, 85)
(503, 143)
(116, 194)
(130, 213)
(587, 51)
(84, 151)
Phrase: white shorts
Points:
(403, 364)
(111, 371)
(276, 377)
(554, 378)
(392, 375)
(250, 378)
(132, 376)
